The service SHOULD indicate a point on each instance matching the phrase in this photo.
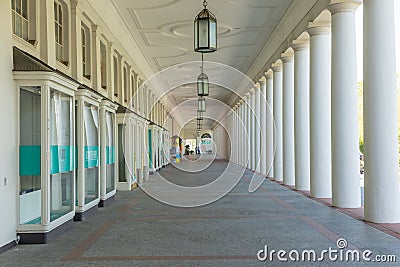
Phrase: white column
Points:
(238, 134)
(270, 126)
(382, 196)
(252, 129)
(240, 158)
(302, 113)
(247, 129)
(277, 83)
(263, 124)
(345, 134)
(320, 111)
(243, 134)
(234, 130)
(257, 128)
(288, 118)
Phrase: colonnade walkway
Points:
(136, 230)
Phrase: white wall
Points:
(8, 134)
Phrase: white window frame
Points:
(61, 30)
(86, 51)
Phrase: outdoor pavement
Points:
(137, 230)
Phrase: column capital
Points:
(287, 57)
(262, 80)
(74, 4)
(277, 66)
(94, 28)
(318, 28)
(269, 74)
(257, 86)
(252, 91)
(337, 6)
(301, 45)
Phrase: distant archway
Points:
(206, 135)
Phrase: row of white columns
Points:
(301, 119)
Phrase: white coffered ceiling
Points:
(163, 29)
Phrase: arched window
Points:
(61, 31)
(85, 35)
(206, 135)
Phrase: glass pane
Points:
(83, 53)
(13, 4)
(30, 156)
(60, 15)
(61, 155)
(18, 7)
(213, 34)
(115, 76)
(83, 36)
(56, 31)
(60, 34)
(203, 33)
(103, 63)
(110, 153)
(195, 35)
(25, 8)
(25, 29)
(91, 150)
(58, 52)
(18, 26)
(13, 22)
(121, 155)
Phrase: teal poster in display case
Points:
(29, 160)
(61, 159)
(91, 156)
(110, 155)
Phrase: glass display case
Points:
(88, 160)
(108, 150)
(127, 142)
(46, 154)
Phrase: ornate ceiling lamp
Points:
(201, 104)
(202, 81)
(205, 31)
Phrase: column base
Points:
(82, 216)
(44, 238)
(106, 202)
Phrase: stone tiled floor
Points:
(137, 230)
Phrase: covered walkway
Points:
(137, 230)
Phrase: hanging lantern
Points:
(199, 115)
(201, 104)
(202, 85)
(205, 31)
